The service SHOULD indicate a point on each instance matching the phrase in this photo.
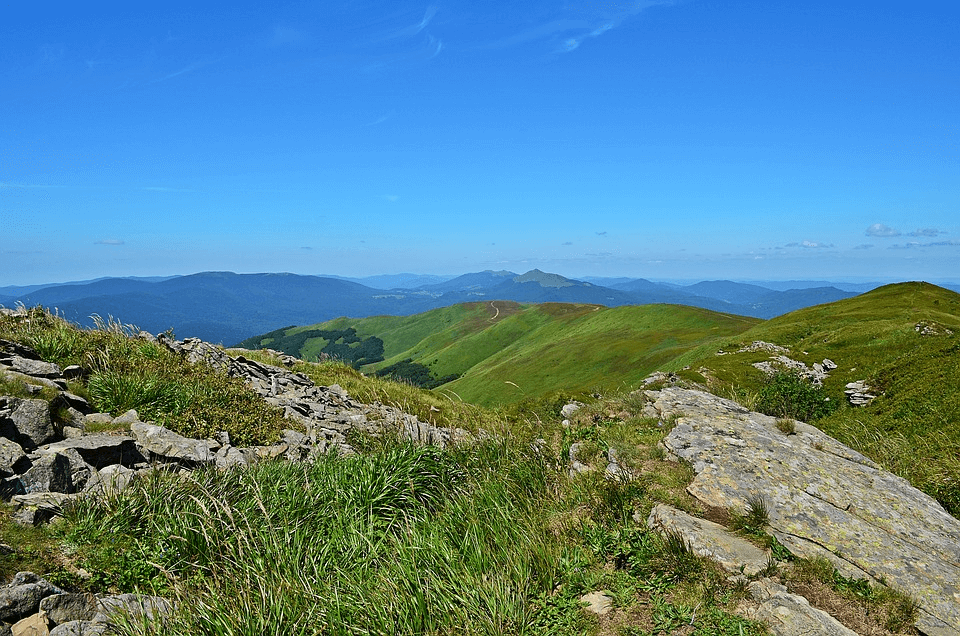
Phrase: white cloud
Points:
(881, 230)
(109, 241)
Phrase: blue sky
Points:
(692, 139)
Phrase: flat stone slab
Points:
(99, 450)
(823, 499)
(711, 540)
(791, 615)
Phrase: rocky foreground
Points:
(823, 499)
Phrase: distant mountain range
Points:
(225, 307)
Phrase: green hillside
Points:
(503, 351)
(903, 340)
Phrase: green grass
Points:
(125, 372)
(506, 352)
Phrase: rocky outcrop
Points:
(31, 605)
(823, 499)
(859, 393)
(44, 464)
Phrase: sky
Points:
(684, 139)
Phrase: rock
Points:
(129, 417)
(21, 597)
(708, 539)
(136, 606)
(569, 409)
(49, 473)
(100, 449)
(859, 393)
(27, 422)
(110, 480)
(599, 603)
(165, 445)
(12, 458)
(64, 608)
(35, 625)
(36, 508)
(823, 499)
(80, 628)
(791, 615)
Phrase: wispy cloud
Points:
(392, 198)
(567, 243)
(811, 245)
(570, 32)
(109, 241)
(864, 246)
(188, 69)
(917, 244)
(604, 233)
(163, 189)
(927, 232)
(28, 185)
(881, 230)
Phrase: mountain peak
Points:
(544, 278)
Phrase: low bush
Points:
(787, 394)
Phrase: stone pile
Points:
(46, 461)
(30, 605)
(859, 393)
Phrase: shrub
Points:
(788, 394)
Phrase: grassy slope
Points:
(538, 348)
(913, 427)
(601, 349)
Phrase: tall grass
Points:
(405, 540)
(125, 372)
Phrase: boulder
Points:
(36, 508)
(49, 473)
(823, 499)
(21, 597)
(27, 422)
(64, 608)
(165, 445)
(12, 458)
(80, 628)
(100, 449)
(35, 625)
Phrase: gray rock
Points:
(28, 420)
(99, 450)
(129, 417)
(711, 540)
(80, 628)
(49, 473)
(21, 598)
(37, 508)
(65, 608)
(569, 409)
(791, 615)
(153, 608)
(12, 458)
(35, 368)
(165, 445)
(110, 480)
(823, 499)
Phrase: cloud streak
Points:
(109, 241)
